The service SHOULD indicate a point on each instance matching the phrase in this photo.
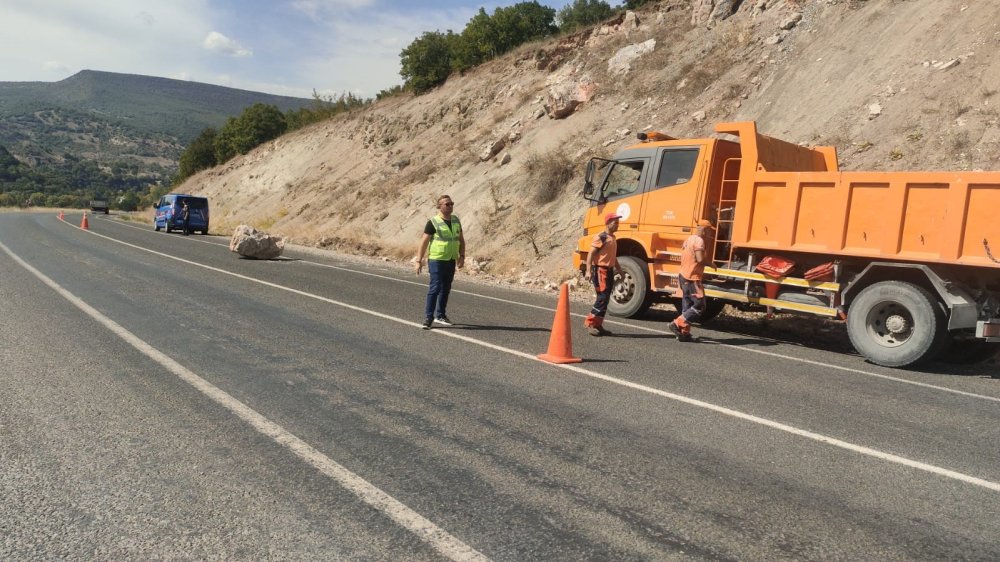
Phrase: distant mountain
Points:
(142, 123)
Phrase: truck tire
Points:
(897, 324)
(631, 296)
(712, 309)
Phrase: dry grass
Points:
(548, 175)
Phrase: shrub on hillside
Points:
(426, 62)
(199, 155)
(582, 13)
(548, 175)
(257, 124)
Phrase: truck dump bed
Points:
(794, 198)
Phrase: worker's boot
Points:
(681, 328)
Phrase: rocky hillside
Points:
(893, 84)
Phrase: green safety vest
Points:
(444, 245)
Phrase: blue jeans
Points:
(442, 274)
(693, 299)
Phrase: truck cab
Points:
(661, 188)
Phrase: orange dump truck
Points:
(911, 260)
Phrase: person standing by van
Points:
(444, 237)
(186, 218)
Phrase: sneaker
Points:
(427, 323)
(443, 320)
(596, 332)
(676, 330)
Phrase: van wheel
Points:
(631, 296)
(897, 324)
(166, 227)
(156, 226)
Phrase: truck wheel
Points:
(896, 324)
(712, 309)
(631, 296)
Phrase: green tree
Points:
(257, 124)
(426, 62)
(583, 13)
(477, 43)
(633, 4)
(129, 201)
(199, 155)
(522, 22)
(10, 168)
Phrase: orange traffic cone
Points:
(561, 341)
(83, 223)
(62, 217)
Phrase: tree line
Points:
(431, 58)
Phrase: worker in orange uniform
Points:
(693, 261)
(602, 261)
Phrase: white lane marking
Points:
(995, 486)
(423, 528)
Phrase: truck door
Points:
(672, 198)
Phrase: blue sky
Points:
(288, 47)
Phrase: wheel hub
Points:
(624, 289)
(897, 324)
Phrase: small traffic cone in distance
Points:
(83, 223)
(561, 341)
(62, 216)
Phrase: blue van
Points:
(168, 213)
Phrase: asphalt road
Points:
(162, 398)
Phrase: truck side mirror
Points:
(588, 182)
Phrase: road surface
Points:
(161, 397)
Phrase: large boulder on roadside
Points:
(249, 242)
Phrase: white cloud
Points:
(219, 43)
(361, 54)
(317, 9)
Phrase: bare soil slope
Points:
(893, 84)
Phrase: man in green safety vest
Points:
(443, 234)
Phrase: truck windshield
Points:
(623, 179)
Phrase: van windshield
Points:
(193, 202)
